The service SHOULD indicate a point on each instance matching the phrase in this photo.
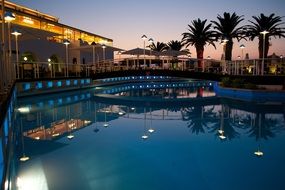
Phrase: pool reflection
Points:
(103, 136)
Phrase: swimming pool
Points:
(149, 136)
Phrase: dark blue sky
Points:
(126, 21)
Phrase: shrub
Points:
(250, 86)
(237, 83)
(226, 82)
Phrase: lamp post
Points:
(150, 41)
(224, 43)
(104, 47)
(93, 54)
(119, 64)
(9, 17)
(263, 50)
(242, 47)
(16, 34)
(144, 39)
(66, 43)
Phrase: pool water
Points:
(150, 138)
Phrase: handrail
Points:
(28, 70)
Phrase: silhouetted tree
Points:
(199, 34)
(227, 28)
(271, 24)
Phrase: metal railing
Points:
(36, 70)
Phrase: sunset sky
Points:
(126, 21)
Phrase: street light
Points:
(16, 34)
(104, 56)
(93, 54)
(119, 64)
(224, 43)
(144, 39)
(9, 17)
(66, 43)
(150, 41)
(242, 47)
(104, 47)
(263, 49)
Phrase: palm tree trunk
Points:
(260, 46)
(200, 53)
(229, 48)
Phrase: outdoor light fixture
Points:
(24, 158)
(221, 134)
(66, 42)
(151, 130)
(16, 33)
(150, 40)
(25, 59)
(70, 136)
(220, 131)
(144, 37)
(258, 153)
(49, 60)
(144, 137)
(242, 46)
(24, 109)
(222, 137)
(9, 16)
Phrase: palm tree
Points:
(176, 45)
(199, 35)
(227, 28)
(159, 46)
(262, 23)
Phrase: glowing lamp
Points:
(222, 137)
(70, 136)
(144, 137)
(9, 17)
(24, 158)
(151, 130)
(144, 37)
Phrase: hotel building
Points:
(43, 35)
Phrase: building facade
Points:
(43, 36)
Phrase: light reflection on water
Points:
(116, 142)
